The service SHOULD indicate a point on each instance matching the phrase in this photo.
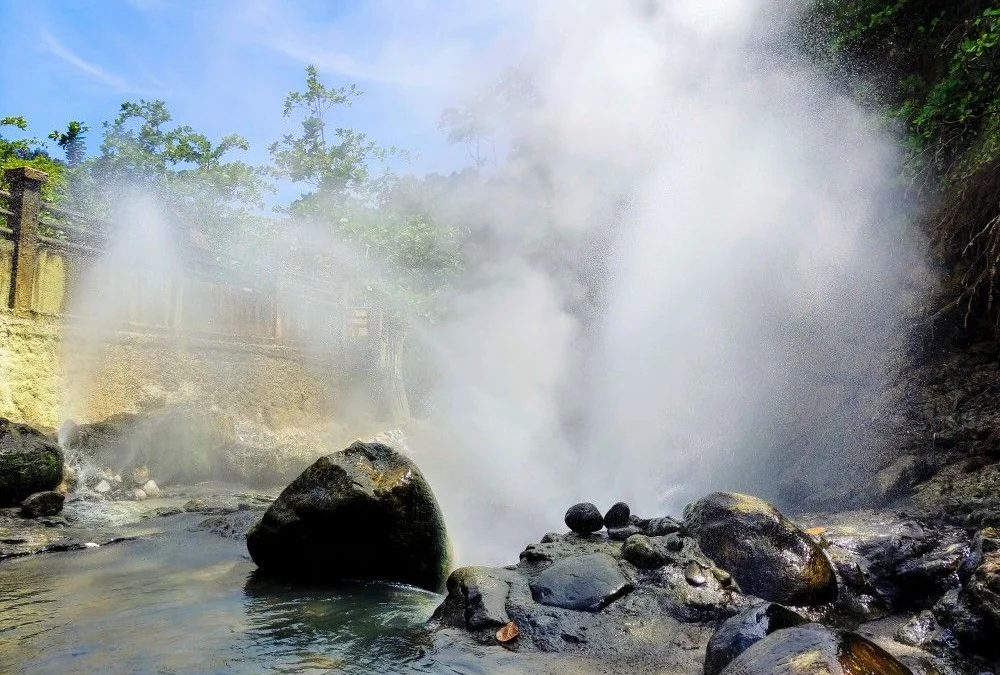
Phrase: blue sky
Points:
(225, 66)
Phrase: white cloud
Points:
(95, 72)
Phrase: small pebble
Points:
(695, 575)
(140, 495)
(102, 487)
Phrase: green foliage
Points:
(408, 254)
(30, 152)
(334, 160)
(190, 174)
(72, 141)
(936, 64)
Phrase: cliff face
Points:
(929, 429)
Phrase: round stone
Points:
(617, 515)
(584, 518)
(641, 552)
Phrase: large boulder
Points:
(739, 633)
(812, 649)
(30, 462)
(767, 554)
(366, 513)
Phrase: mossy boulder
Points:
(30, 462)
(768, 555)
(812, 649)
(366, 513)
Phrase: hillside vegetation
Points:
(933, 67)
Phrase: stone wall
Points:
(50, 371)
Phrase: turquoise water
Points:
(179, 601)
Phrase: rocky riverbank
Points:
(906, 593)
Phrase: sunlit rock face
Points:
(767, 554)
(365, 513)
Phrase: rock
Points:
(102, 487)
(738, 633)
(584, 518)
(69, 480)
(984, 589)
(767, 554)
(68, 434)
(233, 525)
(917, 631)
(151, 489)
(140, 495)
(899, 478)
(658, 527)
(586, 582)
(694, 574)
(641, 552)
(623, 533)
(812, 649)
(477, 598)
(365, 513)
(139, 475)
(969, 627)
(42, 504)
(617, 516)
(29, 463)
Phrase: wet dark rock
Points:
(234, 525)
(984, 590)
(617, 516)
(641, 552)
(30, 462)
(658, 527)
(477, 598)
(899, 478)
(767, 554)
(812, 649)
(584, 518)
(738, 633)
(918, 631)
(366, 513)
(969, 627)
(623, 533)
(586, 582)
(42, 504)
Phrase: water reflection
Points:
(189, 602)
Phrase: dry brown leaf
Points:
(815, 531)
(508, 632)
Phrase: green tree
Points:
(350, 190)
(335, 161)
(72, 141)
(30, 152)
(191, 175)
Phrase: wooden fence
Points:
(203, 294)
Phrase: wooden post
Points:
(25, 202)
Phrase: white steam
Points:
(698, 234)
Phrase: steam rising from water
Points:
(695, 247)
(697, 236)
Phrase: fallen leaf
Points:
(508, 632)
(815, 531)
